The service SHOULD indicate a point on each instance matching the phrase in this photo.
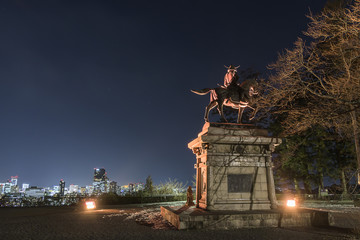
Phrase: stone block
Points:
(255, 223)
(263, 186)
(259, 195)
(263, 178)
(222, 148)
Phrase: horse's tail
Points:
(202, 91)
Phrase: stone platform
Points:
(184, 217)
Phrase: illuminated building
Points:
(100, 187)
(24, 187)
(83, 190)
(124, 189)
(13, 184)
(89, 189)
(118, 190)
(49, 192)
(138, 187)
(7, 187)
(56, 189)
(112, 187)
(62, 187)
(35, 192)
(100, 181)
(131, 187)
(2, 188)
(73, 188)
(10, 186)
(99, 175)
(14, 180)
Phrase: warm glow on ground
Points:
(90, 205)
(290, 203)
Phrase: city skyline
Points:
(20, 183)
(107, 84)
(100, 184)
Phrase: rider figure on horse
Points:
(230, 82)
(231, 94)
(231, 75)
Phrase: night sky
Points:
(87, 84)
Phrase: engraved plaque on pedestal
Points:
(238, 183)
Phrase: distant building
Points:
(101, 183)
(118, 190)
(130, 188)
(83, 191)
(100, 187)
(112, 187)
(13, 184)
(7, 187)
(10, 186)
(124, 189)
(50, 191)
(73, 188)
(56, 189)
(2, 188)
(138, 187)
(89, 189)
(62, 187)
(24, 187)
(35, 192)
(99, 175)
(14, 180)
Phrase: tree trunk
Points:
(356, 139)
(297, 189)
(343, 182)
(344, 195)
(307, 186)
(322, 180)
(321, 184)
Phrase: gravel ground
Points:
(131, 222)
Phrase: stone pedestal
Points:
(197, 218)
(234, 168)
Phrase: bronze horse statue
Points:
(236, 96)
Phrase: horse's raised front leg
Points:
(208, 109)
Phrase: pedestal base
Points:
(196, 218)
(234, 168)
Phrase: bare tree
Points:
(171, 186)
(319, 83)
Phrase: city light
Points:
(12, 194)
(290, 203)
(90, 205)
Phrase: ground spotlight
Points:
(90, 204)
(290, 203)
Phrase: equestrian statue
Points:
(231, 94)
